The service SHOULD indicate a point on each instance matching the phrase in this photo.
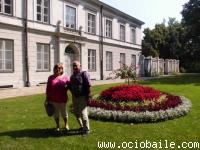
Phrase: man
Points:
(80, 89)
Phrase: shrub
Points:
(182, 70)
(126, 72)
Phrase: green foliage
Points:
(177, 40)
(126, 72)
(193, 66)
(191, 22)
(164, 41)
(23, 122)
(182, 70)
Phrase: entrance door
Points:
(72, 53)
(68, 63)
(69, 59)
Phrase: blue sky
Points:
(150, 11)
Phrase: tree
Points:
(153, 39)
(177, 40)
(163, 41)
(191, 22)
(126, 72)
(147, 46)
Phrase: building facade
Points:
(37, 34)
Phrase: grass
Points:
(24, 124)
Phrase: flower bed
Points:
(137, 104)
(130, 93)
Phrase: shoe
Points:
(67, 127)
(57, 129)
(80, 129)
(86, 131)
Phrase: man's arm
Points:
(87, 84)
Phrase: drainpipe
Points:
(27, 82)
(101, 42)
(58, 41)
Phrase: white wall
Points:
(45, 33)
(35, 76)
(14, 78)
(116, 57)
(89, 45)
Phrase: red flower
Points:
(110, 98)
(130, 93)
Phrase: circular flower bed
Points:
(137, 103)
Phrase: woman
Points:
(56, 93)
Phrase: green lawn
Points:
(24, 124)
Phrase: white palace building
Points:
(37, 34)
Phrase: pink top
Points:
(56, 90)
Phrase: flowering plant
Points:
(137, 103)
(136, 98)
(137, 117)
(130, 93)
(126, 72)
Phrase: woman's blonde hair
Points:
(58, 65)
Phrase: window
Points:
(6, 6)
(43, 11)
(91, 60)
(70, 17)
(6, 55)
(133, 35)
(122, 59)
(108, 28)
(91, 23)
(133, 61)
(0, 5)
(122, 32)
(109, 64)
(43, 56)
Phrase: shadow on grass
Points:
(40, 133)
(177, 80)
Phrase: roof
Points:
(119, 12)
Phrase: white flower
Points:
(148, 116)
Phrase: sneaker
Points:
(57, 129)
(86, 131)
(80, 129)
(67, 127)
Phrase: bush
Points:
(182, 70)
(126, 72)
(192, 67)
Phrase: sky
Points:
(150, 11)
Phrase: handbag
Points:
(49, 108)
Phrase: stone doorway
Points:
(72, 53)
